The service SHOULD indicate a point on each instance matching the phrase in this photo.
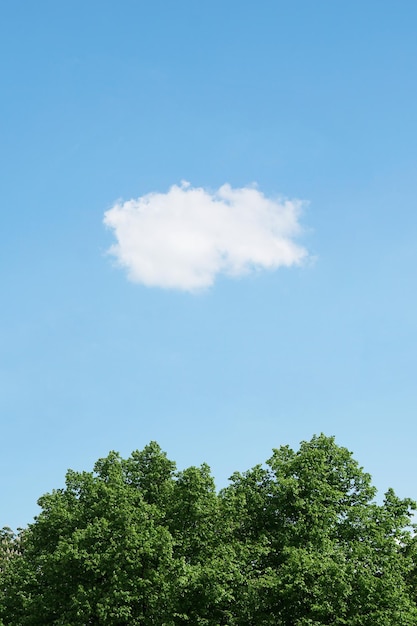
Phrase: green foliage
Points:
(326, 552)
(298, 542)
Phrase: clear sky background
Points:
(105, 102)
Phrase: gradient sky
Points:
(105, 102)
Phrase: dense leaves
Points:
(300, 541)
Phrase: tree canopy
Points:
(298, 541)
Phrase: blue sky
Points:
(108, 103)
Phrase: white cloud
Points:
(184, 238)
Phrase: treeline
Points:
(299, 541)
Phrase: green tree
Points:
(96, 554)
(298, 542)
(195, 522)
(320, 550)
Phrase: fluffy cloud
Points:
(184, 238)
